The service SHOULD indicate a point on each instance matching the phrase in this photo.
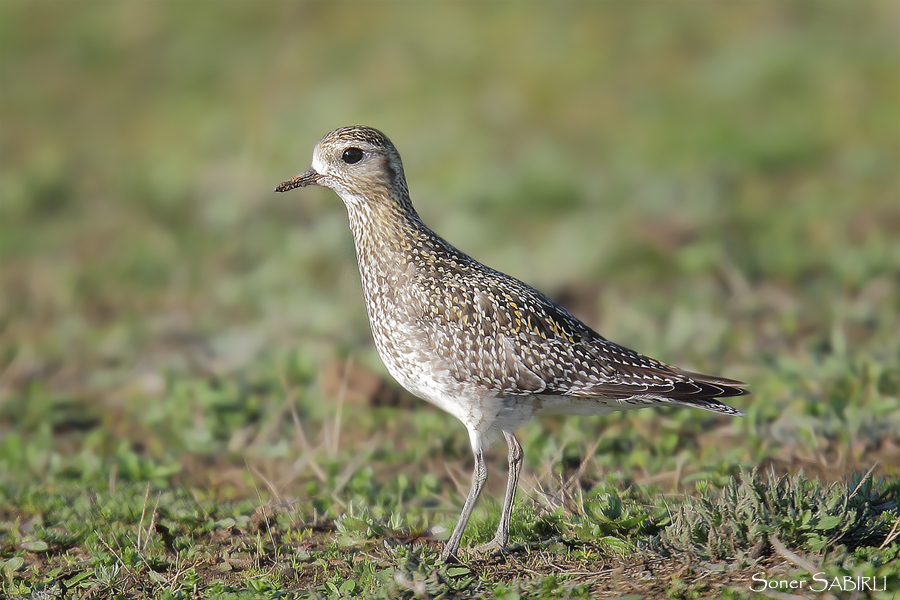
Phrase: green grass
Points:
(190, 404)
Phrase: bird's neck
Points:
(385, 232)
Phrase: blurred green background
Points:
(713, 184)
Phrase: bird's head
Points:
(359, 163)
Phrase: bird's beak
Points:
(302, 180)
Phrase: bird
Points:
(485, 347)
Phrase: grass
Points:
(190, 405)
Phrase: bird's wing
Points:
(543, 349)
(508, 337)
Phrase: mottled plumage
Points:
(483, 346)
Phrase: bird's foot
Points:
(494, 547)
(448, 555)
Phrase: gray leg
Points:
(516, 457)
(479, 476)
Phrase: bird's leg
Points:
(479, 476)
(516, 457)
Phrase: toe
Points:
(493, 546)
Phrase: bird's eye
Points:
(352, 155)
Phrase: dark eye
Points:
(352, 155)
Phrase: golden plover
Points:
(483, 346)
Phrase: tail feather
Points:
(702, 391)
